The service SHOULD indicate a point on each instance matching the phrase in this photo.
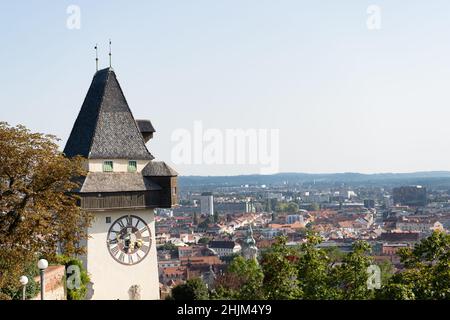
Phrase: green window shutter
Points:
(132, 166)
(107, 166)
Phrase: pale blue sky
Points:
(345, 98)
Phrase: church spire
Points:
(250, 250)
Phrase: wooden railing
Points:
(126, 200)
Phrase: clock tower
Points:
(123, 186)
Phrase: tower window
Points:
(107, 166)
(132, 166)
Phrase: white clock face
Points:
(129, 240)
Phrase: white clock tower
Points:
(123, 186)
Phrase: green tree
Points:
(292, 207)
(193, 289)
(204, 240)
(387, 270)
(169, 246)
(280, 274)
(426, 273)
(350, 277)
(38, 212)
(243, 280)
(75, 269)
(13, 292)
(315, 268)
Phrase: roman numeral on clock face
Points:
(142, 230)
(129, 221)
(144, 248)
(114, 250)
(138, 256)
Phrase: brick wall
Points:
(54, 283)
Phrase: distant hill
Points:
(426, 178)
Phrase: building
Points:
(122, 188)
(224, 248)
(173, 274)
(400, 237)
(369, 203)
(423, 226)
(207, 204)
(168, 263)
(292, 218)
(234, 207)
(250, 250)
(415, 196)
(187, 251)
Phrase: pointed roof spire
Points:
(250, 241)
(105, 127)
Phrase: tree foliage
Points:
(314, 273)
(290, 207)
(427, 271)
(243, 281)
(351, 276)
(38, 212)
(280, 274)
(74, 292)
(193, 289)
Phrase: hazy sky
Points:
(344, 97)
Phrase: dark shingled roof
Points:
(158, 169)
(145, 126)
(117, 182)
(400, 236)
(221, 244)
(105, 127)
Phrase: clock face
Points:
(129, 240)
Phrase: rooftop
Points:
(105, 127)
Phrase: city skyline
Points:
(344, 98)
(221, 156)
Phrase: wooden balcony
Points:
(126, 200)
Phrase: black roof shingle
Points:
(221, 244)
(105, 127)
(158, 169)
(117, 182)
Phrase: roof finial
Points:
(110, 53)
(96, 57)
